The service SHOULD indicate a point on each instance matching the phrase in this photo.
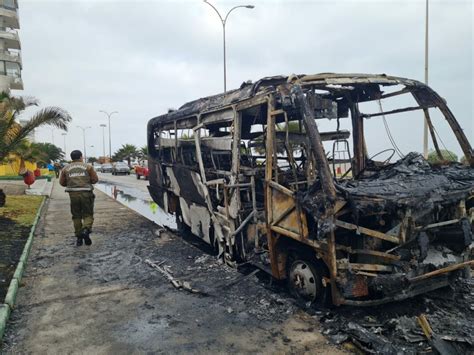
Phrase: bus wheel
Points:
(304, 280)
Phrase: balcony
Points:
(10, 16)
(16, 83)
(10, 56)
(10, 38)
(7, 82)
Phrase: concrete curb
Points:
(41, 187)
(10, 298)
(4, 315)
(48, 189)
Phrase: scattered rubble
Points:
(166, 272)
(394, 328)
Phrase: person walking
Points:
(57, 169)
(78, 178)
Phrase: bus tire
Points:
(305, 279)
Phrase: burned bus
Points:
(252, 173)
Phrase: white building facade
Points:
(10, 47)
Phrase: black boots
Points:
(84, 237)
(85, 234)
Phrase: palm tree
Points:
(12, 134)
(143, 153)
(126, 152)
(29, 152)
(50, 151)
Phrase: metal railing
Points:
(8, 53)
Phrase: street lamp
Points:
(64, 135)
(425, 126)
(224, 21)
(103, 125)
(92, 150)
(52, 135)
(84, 140)
(110, 139)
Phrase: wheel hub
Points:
(303, 280)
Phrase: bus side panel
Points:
(197, 218)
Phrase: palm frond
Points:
(14, 105)
(50, 116)
(13, 133)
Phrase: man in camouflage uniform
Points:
(78, 178)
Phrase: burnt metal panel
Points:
(187, 185)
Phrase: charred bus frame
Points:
(247, 172)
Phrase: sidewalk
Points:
(104, 299)
(41, 187)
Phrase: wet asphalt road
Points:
(129, 181)
(133, 193)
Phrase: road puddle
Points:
(138, 201)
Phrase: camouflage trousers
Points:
(82, 210)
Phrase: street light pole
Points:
(84, 140)
(224, 21)
(110, 139)
(425, 127)
(64, 135)
(103, 125)
(52, 135)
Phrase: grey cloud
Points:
(142, 57)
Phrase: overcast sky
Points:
(142, 57)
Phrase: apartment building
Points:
(10, 46)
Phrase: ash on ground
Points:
(394, 329)
(386, 329)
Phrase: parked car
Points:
(106, 168)
(142, 170)
(120, 168)
(97, 166)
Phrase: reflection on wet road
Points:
(137, 200)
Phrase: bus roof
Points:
(268, 85)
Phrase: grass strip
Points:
(9, 303)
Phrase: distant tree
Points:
(143, 153)
(92, 160)
(293, 127)
(464, 160)
(50, 152)
(447, 157)
(126, 152)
